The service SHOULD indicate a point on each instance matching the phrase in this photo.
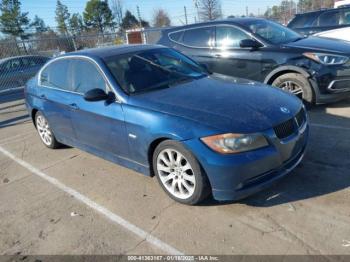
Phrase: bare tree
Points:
(210, 9)
(161, 18)
(117, 9)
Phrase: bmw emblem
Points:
(284, 110)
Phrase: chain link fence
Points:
(21, 60)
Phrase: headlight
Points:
(327, 59)
(235, 143)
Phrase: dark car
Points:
(315, 69)
(322, 20)
(16, 71)
(152, 109)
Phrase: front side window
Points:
(56, 75)
(271, 31)
(85, 76)
(199, 37)
(301, 21)
(345, 20)
(13, 65)
(152, 69)
(229, 37)
(329, 19)
(30, 61)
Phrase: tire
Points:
(287, 81)
(184, 181)
(45, 133)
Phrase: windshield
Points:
(152, 69)
(272, 32)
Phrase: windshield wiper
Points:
(164, 84)
(162, 67)
(298, 38)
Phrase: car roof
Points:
(322, 11)
(104, 52)
(240, 21)
(22, 56)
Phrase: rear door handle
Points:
(217, 55)
(74, 106)
(43, 96)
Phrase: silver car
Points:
(16, 71)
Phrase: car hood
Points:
(223, 103)
(319, 44)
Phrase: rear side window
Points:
(176, 36)
(13, 64)
(301, 21)
(331, 18)
(345, 17)
(31, 61)
(199, 37)
(229, 37)
(56, 75)
(85, 76)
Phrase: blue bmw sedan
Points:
(154, 110)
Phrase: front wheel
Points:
(45, 132)
(296, 84)
(179, 173)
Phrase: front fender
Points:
(286, 68)
(143, 126)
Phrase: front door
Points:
(98, 125)
(233, 60)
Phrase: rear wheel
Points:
(179, 173)
(45, 132)
(297, 84)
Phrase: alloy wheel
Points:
(176, 173)
(44, 130)
(293, 88)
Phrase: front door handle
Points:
(74, 106)
(217, 55)
(43, 96)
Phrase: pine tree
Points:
(129, 21)
(12, 21)
(98, 15)
(62, 17)
(39, 25)
(76, 24)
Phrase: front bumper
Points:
(331, 83)
(237, 176)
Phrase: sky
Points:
(45, 9)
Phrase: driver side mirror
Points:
(250, 43)
(95, 95)
(205, 67)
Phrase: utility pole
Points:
(197, 7)
(139, 15)
(246, 11)
(185, 15)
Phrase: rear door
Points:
(98, 125)
(56, 97)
